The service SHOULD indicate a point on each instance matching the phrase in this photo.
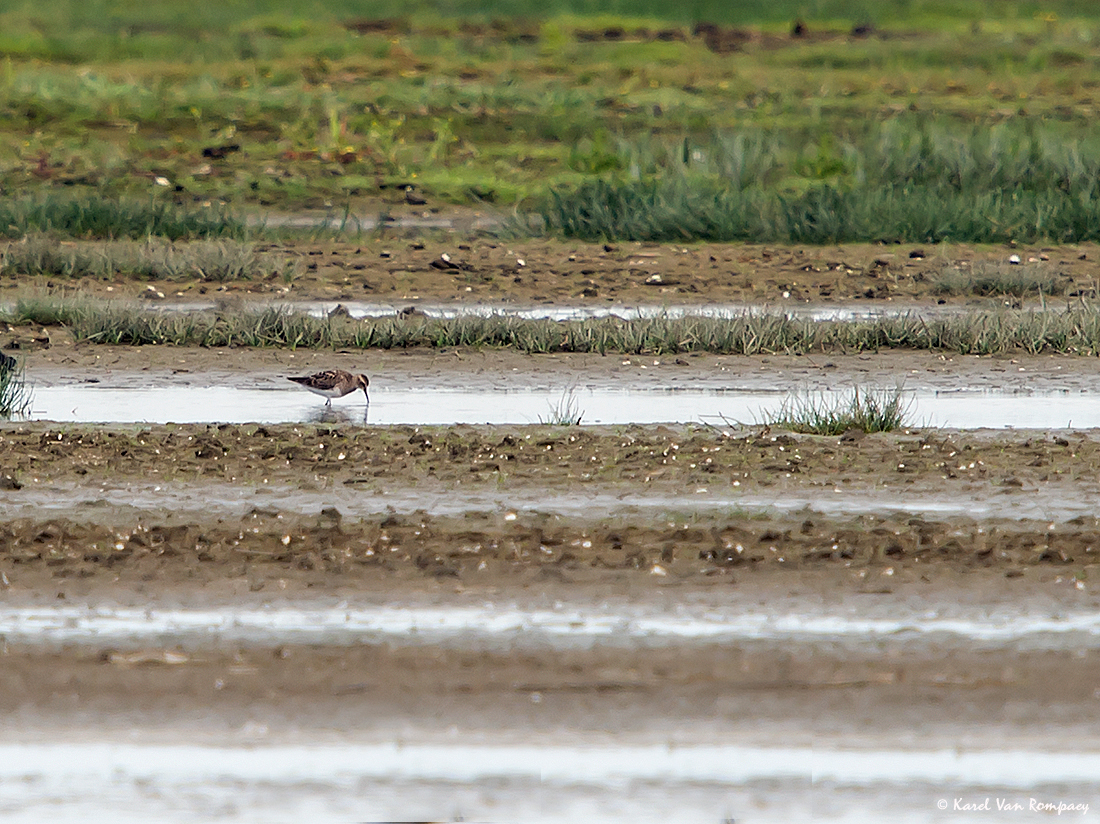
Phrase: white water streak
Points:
(509, 624)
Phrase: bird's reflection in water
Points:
(331, 414)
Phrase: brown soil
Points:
(96, 553)
(753, 694)
(536, 271)
(507, 547)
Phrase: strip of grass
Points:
(865, 410)
(1075, 330)
(94, 217)
(152, 259)
(906, 181)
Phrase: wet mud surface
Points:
(744, 694)
(490, 271)
(268, 552)
(314, 544)
(910, 525)
(99, 553)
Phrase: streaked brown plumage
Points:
(333, 383)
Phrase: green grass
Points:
(15, 395)
(502, 104)
(566, 412)
(93, 217)
(1074, 330)
(907, 180)
(866, 410)
(153, 259)
(826, 214)
(93, 29)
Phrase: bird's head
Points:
(362, 382)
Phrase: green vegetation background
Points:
(892, 121)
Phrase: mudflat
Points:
(180, 505)
(986, 528)
(437, 267)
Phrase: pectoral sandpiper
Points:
(333, 383)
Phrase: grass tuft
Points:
(15, 395)
(867, 410)
(566, 412)
(1072, 330)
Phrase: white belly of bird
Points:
(335, 392)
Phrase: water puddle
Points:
(118, 781)
(559, 312)
(367, 500)
(92, 403)
(491, 625)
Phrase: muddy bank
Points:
(663, 456)
(271, 552)
(259, 543)
(745, 694)
(896, 541)
(674, 459)
(551, 271)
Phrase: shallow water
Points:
(558, 312)
(595, 405)
(100, 781)
(490, 625)
(186, 500)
